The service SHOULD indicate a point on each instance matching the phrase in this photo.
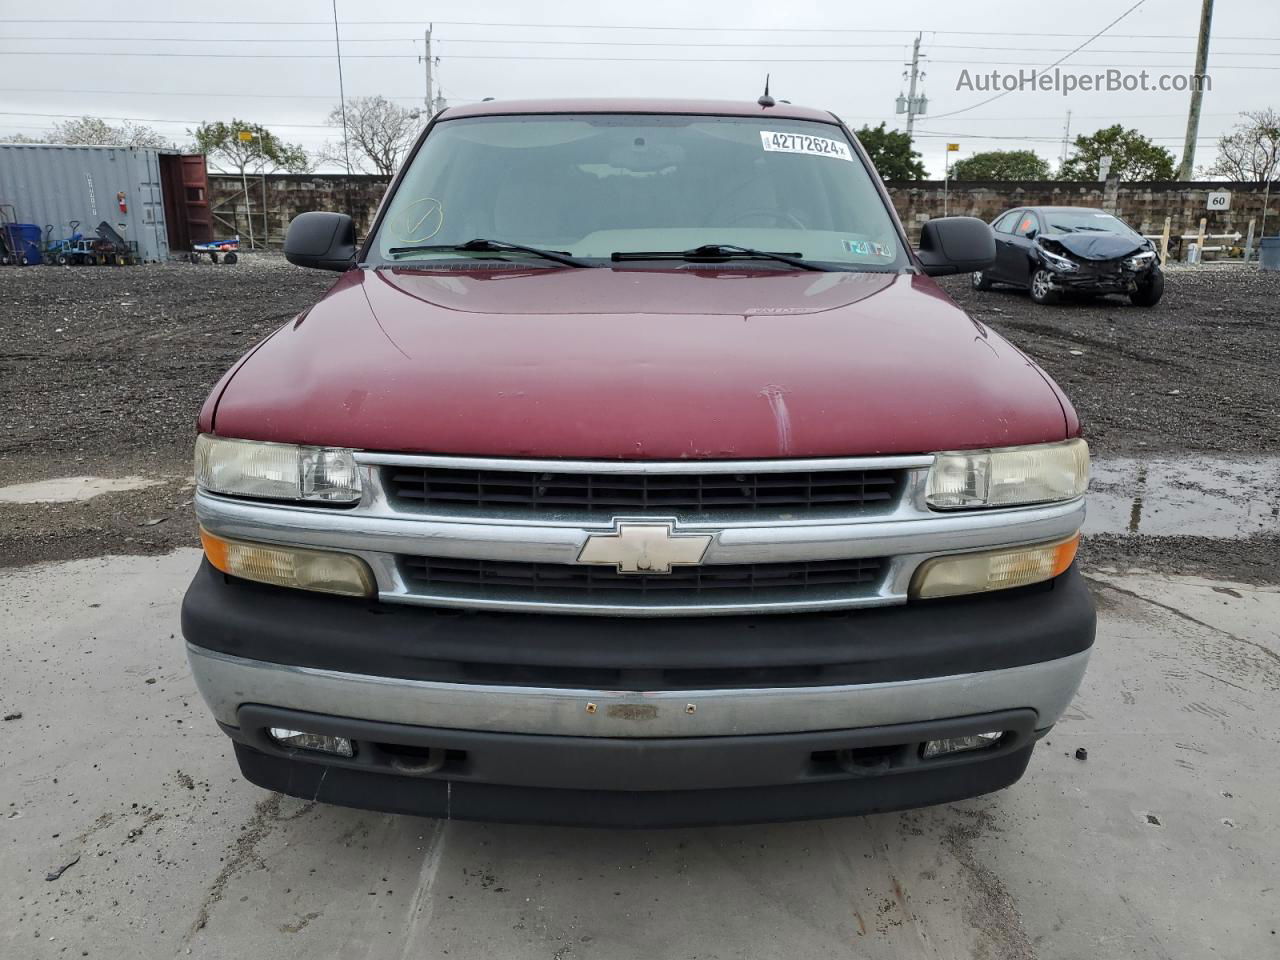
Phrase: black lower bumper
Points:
(936, 638)
(591, 781)
(642, 781)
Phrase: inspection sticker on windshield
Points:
(867, 248)
(801, 143)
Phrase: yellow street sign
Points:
(246, 135)
(952, 147)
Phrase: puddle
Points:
(1193, 497)
(70, 489)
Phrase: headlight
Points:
(964, 573)
(1139, 261)
(319, 570)
(1009, 476)
(276, 471)
(1055, 262)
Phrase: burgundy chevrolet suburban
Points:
(636, 472)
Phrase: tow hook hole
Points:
(415, 761)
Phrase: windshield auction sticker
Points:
(800, 143)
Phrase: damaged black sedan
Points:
(1059, 251)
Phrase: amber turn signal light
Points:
(963, 573)
(318, 570)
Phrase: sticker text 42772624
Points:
(803, 143)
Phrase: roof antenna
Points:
(766, 100)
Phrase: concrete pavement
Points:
(1163, 843)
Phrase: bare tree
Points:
(93, 131)
(379, 134)
(1252, 152)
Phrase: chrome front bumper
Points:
(228, 682)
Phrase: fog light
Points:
(290, 566)
(321, 743)
(963, 573)
(978, 741)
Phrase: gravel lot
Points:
(102, 372)
(1195, 373)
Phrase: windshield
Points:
(593, 186)
(1087, 221)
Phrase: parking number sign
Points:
(1220, 200)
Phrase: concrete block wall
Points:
(286, 196)
(1143, 205)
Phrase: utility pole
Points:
(1066, 138)
(912, 105)
(1186, 171)
(433, 100)
(426, 63)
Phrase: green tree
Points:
(240, 146)
(890, 151)
(1133, 156)
(1001, 165)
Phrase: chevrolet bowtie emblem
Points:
(644, 547)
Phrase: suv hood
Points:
(638, 364)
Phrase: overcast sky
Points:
(844, 56)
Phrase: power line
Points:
(614, 43)
(613, 59)
(684, 28)
(203, 56)
(333, 126)
(97, 39)
(192, 93)
(934, 134)
(1005, 93)
(1104, 116)
(77, 116)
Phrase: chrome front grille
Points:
(725, 582)
(782, 536)
(595, 493)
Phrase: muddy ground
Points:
(102, 372)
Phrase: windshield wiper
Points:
(481, 245)
(715, 253)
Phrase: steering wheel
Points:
(777, 215)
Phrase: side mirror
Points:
(1031, 234)
(955, 245)
(325, 241)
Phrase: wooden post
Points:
(1200, 238)
(1164, 241)
(1248, 243)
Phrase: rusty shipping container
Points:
(157, 198)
